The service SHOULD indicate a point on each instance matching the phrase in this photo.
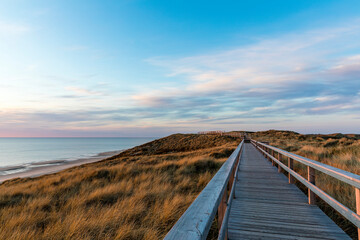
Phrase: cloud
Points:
(313, 72)
(11, 29)
(291, 81)
(78, 91)
(64, 119)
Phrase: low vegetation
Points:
(338, 150)
(138, 194)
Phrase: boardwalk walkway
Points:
(268, 207)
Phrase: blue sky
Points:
(151, 68)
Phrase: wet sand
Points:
(48, 167)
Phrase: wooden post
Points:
(357, 201)
(311, 179)
(231, 179)
(222, 208)
(265, 151)
(264, 148)
(291, 166)
(272, 154)
(238, 162)
(279, 158)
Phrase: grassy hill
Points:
(138, 194)
(141, 192)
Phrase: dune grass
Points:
(138, 194)
(337, 150)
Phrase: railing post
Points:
(311, 179)
(235, 172)
(238, 162)
(357, 200)
(291, 166)
(265, 149)
(237, 178)
(279, 158)
(222, 207)
(231, 180)
(272, 154)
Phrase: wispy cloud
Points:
(12, 28)
(299, 79)
(312, 72)
(78, 91)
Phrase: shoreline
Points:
(37, 169)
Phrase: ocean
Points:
(22, 151)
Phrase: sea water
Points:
(20, 151)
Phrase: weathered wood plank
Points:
(357, 202)
(343, 210)
(268, 207)
(253, 234)
(311, 179)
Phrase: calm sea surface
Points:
(17, 151)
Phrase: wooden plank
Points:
(294, 229)
(357, 200)
(253, 234)
(279, 158)
(248, 216)
(268, 207)
(222, 208)
(291, 166)
(311, 179)
(343, 210)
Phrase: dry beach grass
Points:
(138, 194)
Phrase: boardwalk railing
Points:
(275, 154)
(195, 223)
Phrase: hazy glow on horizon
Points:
(150, 68)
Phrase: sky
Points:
(152, 68)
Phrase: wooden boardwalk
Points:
(252, 200)
(268, 207)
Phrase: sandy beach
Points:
(47, 167)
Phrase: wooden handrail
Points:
(344, 176)
(195, 223)
(224, 225)
(350, 178)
